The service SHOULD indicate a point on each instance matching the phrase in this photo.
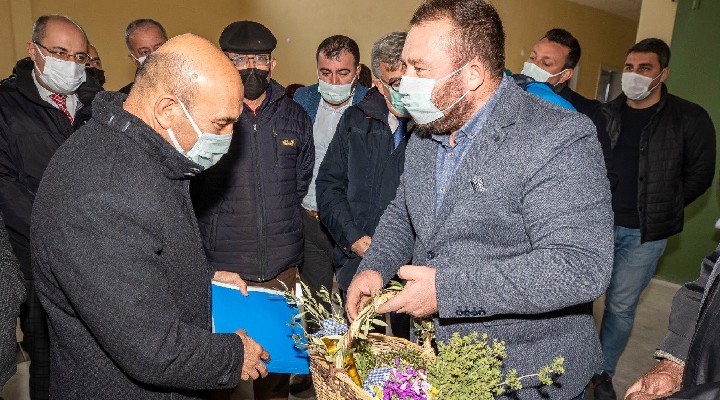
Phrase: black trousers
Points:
(36, 341)
(317, 270)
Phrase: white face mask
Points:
(140, 60)
(62, 77)
(335, 94)
(636, 86)
(537, 73)
(208, 149)
(417, 97)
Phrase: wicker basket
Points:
(335, 384)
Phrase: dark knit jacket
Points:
(593, 110)
(12, 294)
(676, 165)
(31, 129)
(358, 178)
(249, 203)
(120, 270)
(692, 332)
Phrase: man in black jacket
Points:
(117, 256)
(41, 105)
(553, 60)
(362, 167)
(248, 205)
(142, 37)
(664, 153)
(689, 357)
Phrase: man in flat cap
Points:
(248, 205)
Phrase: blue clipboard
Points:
(266, 316)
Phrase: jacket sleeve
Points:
(306, 156)
(332, 187)
(564, 203)
(16, 205)
(394, 237)
(707, 391)
(13, 294)
(598, 119)
(685, 311)
(699, 155)
(104, 259)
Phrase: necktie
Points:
(400, 132)
(60, 100)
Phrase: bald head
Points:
(184, 64)
(187, 70)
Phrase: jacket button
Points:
(429, 255)
(642, 179)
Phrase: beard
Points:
(454, 117)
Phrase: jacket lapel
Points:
(487, 141)
(420, 184)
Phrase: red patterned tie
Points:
(60, 99)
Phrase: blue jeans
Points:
(633, 267)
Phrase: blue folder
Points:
(266, 316)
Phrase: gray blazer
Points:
(523, 240)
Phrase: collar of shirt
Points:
(393, 123)
(71, 102)
(475, 124)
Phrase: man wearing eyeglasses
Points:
(361, 171)
(249, 204)
(40, 107)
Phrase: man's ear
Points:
(31, 50)
(665, 74)
(165, 110)
(476, 74)
(566, 75)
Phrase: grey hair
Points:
(387, 50)
(142, 23)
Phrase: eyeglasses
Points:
(93, 62)
(394, 83)
(241, 61)
(80, 58)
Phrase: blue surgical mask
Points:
(417, 97)
(335, 94)
(396, 100)
(208, 149)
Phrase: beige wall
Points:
(657, 19)
(301, 25)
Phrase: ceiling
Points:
(625, 8)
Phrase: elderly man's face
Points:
(61, 37)
(427, 55)
(389, 81)
(144, 41)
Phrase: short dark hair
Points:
(479, 27)
(565, 38)
(40, 25)
(141, 23)
(336, 44)
(653, 45)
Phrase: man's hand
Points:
(231, 278)
(361, 245)
(661, 381)
(419, 297)
(253, 357)
(364, 285)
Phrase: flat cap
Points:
(247, 37)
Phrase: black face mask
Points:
(255, 82)
(97, 74)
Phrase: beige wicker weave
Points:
(335, 384)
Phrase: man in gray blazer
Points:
(504, 205)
